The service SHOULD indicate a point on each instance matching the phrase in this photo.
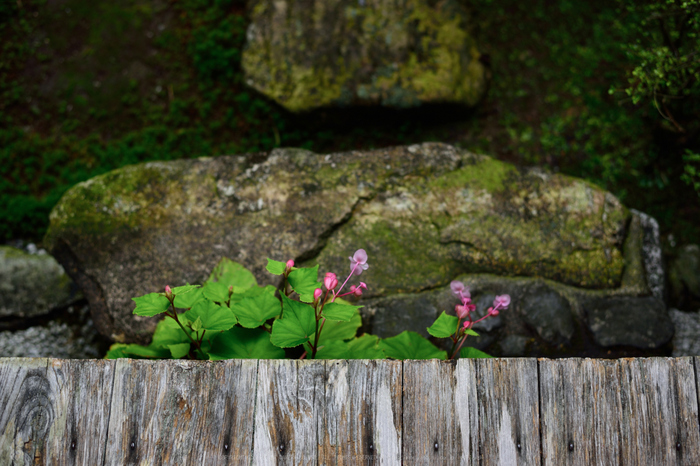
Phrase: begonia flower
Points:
(358, 262)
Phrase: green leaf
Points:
(189, 299)
(252, 293)
(473, 353)
(184, 289)
(196, 326)
(212, 316)
(169, 333)
(255, 311)
(365, 347)
(244, 344)
(410, 345)
(179, 350)
(335, 349)
(471, 332)
(339, 330)
(276, 267)
(230, 273)
(148, 352)
(336, 311)
(296, 327)
(116, 351)
(304, 281)
(151, 304)
(444, 327)
(216, 291)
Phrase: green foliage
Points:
(692, 170)
(240, 319)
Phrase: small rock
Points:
(32, 284)
(548, 313)
(686, 341)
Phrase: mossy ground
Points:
(86, 87)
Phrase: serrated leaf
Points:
(410, 345)
(255, 311)
(168, 332)
(212, 316)
(304, 281)
(196, 326)
(240, 343)
(296, 327)
(444, 326)
(230, 273)
(189, 299)
(335, 349)
(337, 311)
(471, 332)
(276, 267)
(252, 293)
(339, 330)
(151, 305)
(179, 350)
(473, 353)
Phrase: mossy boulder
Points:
(425, 214)
(307, 55)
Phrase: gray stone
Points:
(639, 322)
(426, 214)
(307, 55)
(74, 339)
(684, 276)
(652, 255)
(686, 340)
(548, 313)
(513, 346)
(32, 284)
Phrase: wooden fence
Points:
(264, 412)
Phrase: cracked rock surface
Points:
(426, 214)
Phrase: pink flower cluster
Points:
(358, 263)
(465, 309)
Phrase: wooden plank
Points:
(363, 413)
(56, 414)
(507, 392)
(157, 412)
(227, 437)
(26, 410)
(659, 411)
(580, 411)
(440, 414)
(289, 405)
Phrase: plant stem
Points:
(318, 333)
(174, 316)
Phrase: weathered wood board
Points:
(242, 412)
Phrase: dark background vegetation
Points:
(87, 86)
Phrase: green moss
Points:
(479, 173)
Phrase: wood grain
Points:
(440, 414)
(289, 406)
(362, 422)
(580, 411)
(157, 412)
(509, 419)
(659, 411)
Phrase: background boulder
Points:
(426, 214)
(307, 55)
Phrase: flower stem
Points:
(174, 316)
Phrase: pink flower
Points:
(330, 281)
(168, 292)
(493, 311)
(466, 324)
(459, 290)
(317, 293)
(358, 262)
(501, 302)
(363, 285)
(356, 290)
(288, 266)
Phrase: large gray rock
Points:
(32, 284)
(686, 341)
(306, 54)
(426, 214)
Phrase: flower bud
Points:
(317, 293)
(363, 285)
(493, 311)
(330, 281)
(168, 292)
(461, 311)
(288, 266)
(357, 291)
